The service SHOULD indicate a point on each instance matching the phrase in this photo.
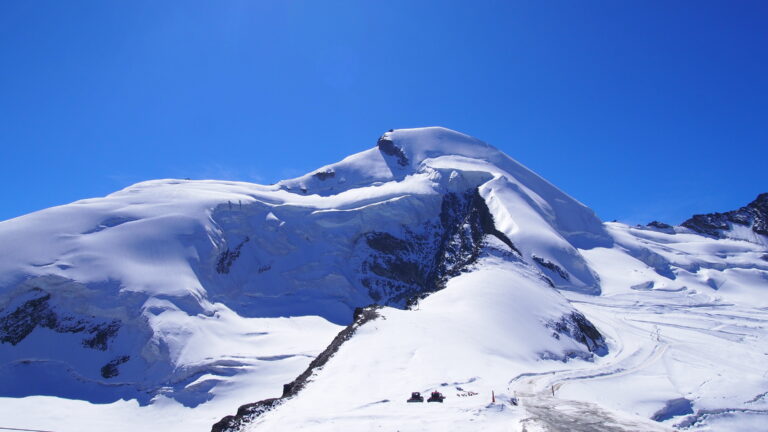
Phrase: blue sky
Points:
(642, 110)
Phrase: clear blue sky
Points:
(642, 110)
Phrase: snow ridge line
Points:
(247, 413)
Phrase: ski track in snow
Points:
(553, 413)
(536, 393)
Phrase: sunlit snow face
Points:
(221, 292)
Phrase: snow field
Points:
(227, 290)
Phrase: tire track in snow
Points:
(560, 415)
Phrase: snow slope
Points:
(466, 341)
(683, 350)
(182, 300)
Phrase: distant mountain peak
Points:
(419, 144)
(753, 216)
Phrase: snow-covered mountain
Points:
(748, 223)
(171, 303)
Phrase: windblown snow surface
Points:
(169, 304)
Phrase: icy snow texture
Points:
(224, 291)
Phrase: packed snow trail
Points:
(621, 361)
(537, 392)
(665, 344)
(563, 415)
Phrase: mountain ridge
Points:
(201, 296)
(753, 216)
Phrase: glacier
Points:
(172, 302)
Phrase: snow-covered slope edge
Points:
(747, 223)
(685, 317)
(498, 316)
(172, 302)
(247, 413)
(178, 290)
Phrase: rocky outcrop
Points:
(110, 370)
(228, 257)
(246, 413)
(659, 225)
(577, 327)
(754, 215)
(387, 147)
(552, 267)
(325, 175)
(401, 269)
(32, 309)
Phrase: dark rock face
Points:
(577, 327)
(399, 271)
(228, 257)
(110, 370)
(754, 215)
(16, 325)
(325, 175)
(760, 214)
(659, 225)
(246, 413)
(396, 268)
(102, 334)
(549, 265)
(32, 309)
(389, 148)
(712, 224)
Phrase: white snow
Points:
(227, 290)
